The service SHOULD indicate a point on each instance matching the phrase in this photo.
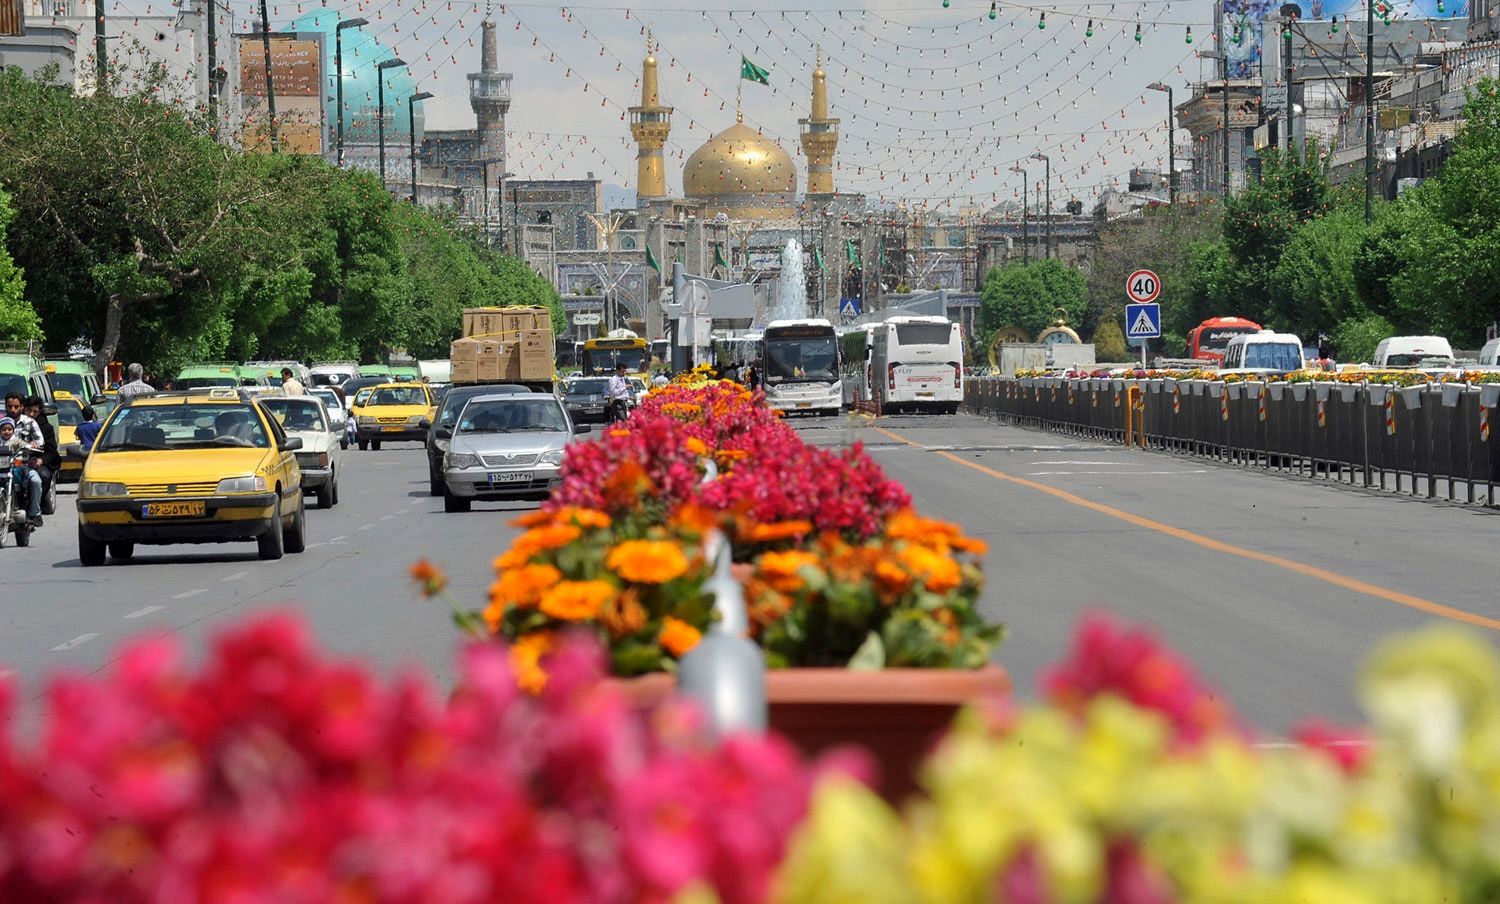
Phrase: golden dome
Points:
(743, 174)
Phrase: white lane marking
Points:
(314, 545)
(1075, 462)
(187, 593)
(77, 641)
(386, 517)
(366, 526)
(402, 511)
(1109, 473)
(146, 611)
(339, 539)
(238, 575)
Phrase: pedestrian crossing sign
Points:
(1142, 321)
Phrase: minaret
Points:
(489, 96)
(820, 136)
(650, 123)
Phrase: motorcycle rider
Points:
(13, 440)
(617, 395)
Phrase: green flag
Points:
(651, 260)
(719, 255)
(818, 258)
(851, 251)
(679, 255)
(752, 72)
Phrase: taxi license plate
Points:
(395, 428)
(174, 509)
(509, 477)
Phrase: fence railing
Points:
(1432, 441)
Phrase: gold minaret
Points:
(650, 123)
(820, 136)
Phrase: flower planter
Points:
(1276, 391)
(895, 714)
(1377, 393)
(1197, 386)
(1412, 397)
(1299, 392)
(1215, 389)
(1451, 394)
(1321, 391)
(1489, 394)
(1234, 390)
(1348, 391)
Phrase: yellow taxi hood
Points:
(174, 465)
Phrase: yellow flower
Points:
(782, 530)
(576, 600)
(938, 572)
(678, 637)
(648, 561)
(780, 569)
(526, 660)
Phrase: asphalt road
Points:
(1275, 587)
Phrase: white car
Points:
(306, 418)
(338, 415)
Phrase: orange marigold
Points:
(782, 530)
(623, 614)
(648, 561)
(678, 637)
(908, 525)
(781, 569)
(938, 572)
(526, 660)
(619, 432)
(695, 445)
(538, 539)
(694, 518)
(524, 585)
(576, 600)
(429, 577)
(891, 580)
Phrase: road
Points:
(1275, 587)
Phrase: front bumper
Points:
(315, 477)
(225, 518)
(474, 483)
(392, 432)
(588, 414)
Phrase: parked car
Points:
(505, 447)
(440, 429)
(307, 418)
(338, 415)
(1420, 352)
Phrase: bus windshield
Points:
(813, 359)
(604, 360)
(205, 382)
(69, 383)
(923, 333)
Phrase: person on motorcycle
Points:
(11, 444)
(617, 395)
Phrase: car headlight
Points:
(441, 444)
(323, 459)
(242, 485)
(553, 458)
(461, 460)
(367, 421)
(415, 419)
(95, 489)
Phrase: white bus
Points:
(800, 366)
(917, 362)
(855, 344)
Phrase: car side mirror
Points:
(97, 400)
(424, 423)
(291, 444)
(579, 429)
(445, 432)
(49, 409)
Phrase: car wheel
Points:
(364, 444)
(23, 535)
(49, 498)
(90, 552)
(374, 445)
(455, 504)
(270, 542)
(296, 535)
(326, 498)
(121, 550)
(435, 485)
(335, 488)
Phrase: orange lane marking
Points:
(1312, 571)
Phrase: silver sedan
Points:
(505, 447)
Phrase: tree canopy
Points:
(18, 321)
(1027, 295)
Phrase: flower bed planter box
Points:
(895, 714)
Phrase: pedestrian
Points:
(752, 375)
(88, 430)
(617, 395)
(136, 385)
(290, 384)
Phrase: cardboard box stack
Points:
(504, 344)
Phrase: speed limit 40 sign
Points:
(1143, 286)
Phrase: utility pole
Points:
(265, 44)
(338, 78)
(1171, 146)
(101, 56)
(1048, 183)
(1369, 110)
(1025, 211)
(1290, 12)
(380, 69)
(411, 118)
(212, 58)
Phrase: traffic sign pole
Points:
(1143, 314)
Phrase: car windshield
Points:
(70, 383)
(328, 379)
(1417, 359)
(586, 387)
(541, 415)
(13, 383)
(801, 359)
(398, 395)
(297, 415)
(1273, 356)
(186, 426)
(69, 412)
(205, 382)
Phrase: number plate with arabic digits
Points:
(195, 509)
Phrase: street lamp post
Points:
(392, 63)
(1171, 146)
(1369, 110)
(1290, 13)
(265, 44)
(1025, 212)
(411, 119)
(338, 77)
(1048, 160)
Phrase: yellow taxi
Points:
(391, 411)
(203, 466)
(69, 416)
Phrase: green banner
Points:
(751, 72)
(719, 255)
(818, 258)
(651, 260)
(851, 252)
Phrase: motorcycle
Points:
(617, 411)
(13, 490)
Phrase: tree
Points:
(1161, 239)
(1109, 342)
(1355, 339)
(1313, 286)
(18, 320)
(1027, 295)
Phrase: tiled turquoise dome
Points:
(361, 52)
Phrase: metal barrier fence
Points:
(1432, 441)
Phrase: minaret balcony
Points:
(490, 87)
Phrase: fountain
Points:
(791, 295)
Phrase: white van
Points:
(1489, 356)
(1414, 352)
(1265, 352)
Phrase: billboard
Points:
(12, 14)
(297, 78)
(1241, 34)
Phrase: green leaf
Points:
(870, 657)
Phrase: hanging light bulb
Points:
(1189, 39)
(1440, 7)
(947, 3)
(1042, 22)
(994, 9)
(1333, 27)
(1138, 32)
(1089, 32)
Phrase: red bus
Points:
(1207, 340)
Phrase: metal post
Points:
(1290, 12)
(1171, 152)
(411, 120)
(101, 55)
(1226, 128)
(212, 59)
(1369, 110)
(1049, 205)
(485, 190)
(265, 44)
(515, 216)
(380, 69)
(338, 78)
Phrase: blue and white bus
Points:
(917, 363)
(800, 366)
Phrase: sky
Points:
(936, 104)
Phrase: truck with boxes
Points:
(505, 345)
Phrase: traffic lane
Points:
(352, 586)
(1433, 551)
(1279, 644)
